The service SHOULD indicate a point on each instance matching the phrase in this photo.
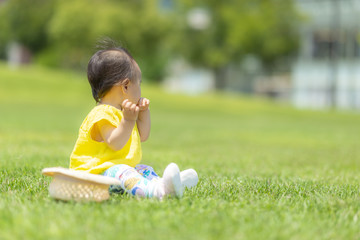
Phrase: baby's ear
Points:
(125, 83)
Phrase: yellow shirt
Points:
(95, 157)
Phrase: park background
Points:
(261, 97)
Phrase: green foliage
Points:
(26, 22)
(77, 25)
(3, 35)
(266, 171)
(64, 32)
(267, 29)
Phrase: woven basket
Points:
(79, 186)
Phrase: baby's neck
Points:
(111, 103)
(113, 97)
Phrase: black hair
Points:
(110, 66)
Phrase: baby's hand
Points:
(143, 104)
(130, 110)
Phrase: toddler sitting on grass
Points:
(109, 141)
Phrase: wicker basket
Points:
(79, 186)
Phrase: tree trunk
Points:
(220, 78)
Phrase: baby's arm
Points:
(117, 137)
(143, 122)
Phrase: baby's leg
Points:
(131, 181)
(146, 171)
(189, 177)
(135, 184)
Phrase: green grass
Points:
(267, 171)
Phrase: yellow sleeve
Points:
(103, 116)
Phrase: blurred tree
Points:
(218, 33)
(209, 33)
(24, 22)
(4, 33)
(78, 24)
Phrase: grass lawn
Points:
(267, 171)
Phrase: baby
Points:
(109, 141)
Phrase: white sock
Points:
(189, 178)
(170, 183)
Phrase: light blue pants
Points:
(135, 181)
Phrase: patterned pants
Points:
(135, 181)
